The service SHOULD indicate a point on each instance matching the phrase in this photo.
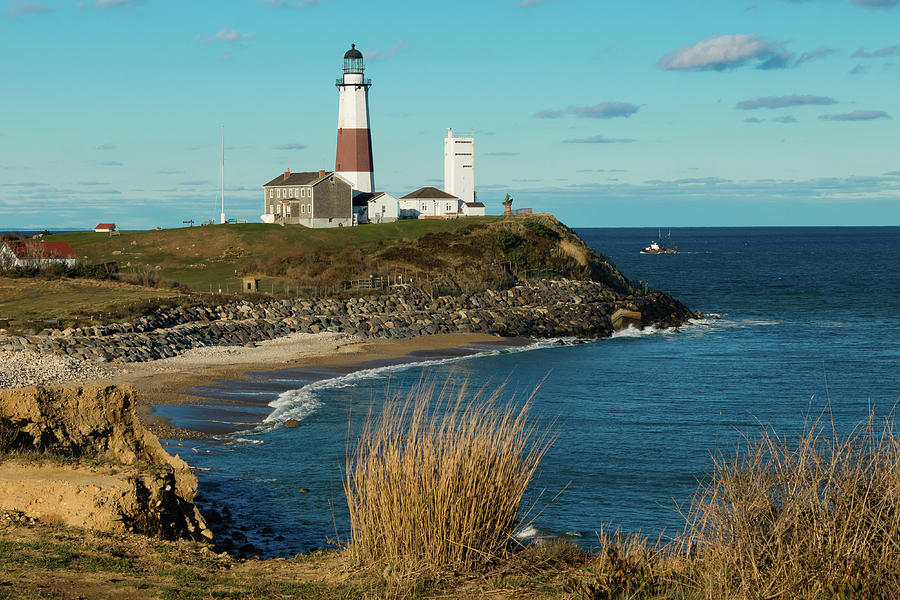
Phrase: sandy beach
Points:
(169, 381)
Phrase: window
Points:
(302, 208)
(271, 193)
(278, 193)
(303, 192)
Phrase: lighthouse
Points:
(354, 138)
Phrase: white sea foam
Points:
(232, 440)
(300, 403)
(526, 533)
(633, 332)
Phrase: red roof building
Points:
(36, 254)
(105, 227)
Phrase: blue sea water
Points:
(795, 317)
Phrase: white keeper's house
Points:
(429, 202)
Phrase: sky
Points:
(647, 113)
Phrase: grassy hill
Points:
(192, 265)
(445, 255)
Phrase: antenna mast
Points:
(223, 176)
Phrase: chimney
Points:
(321, 173)
(287, 173)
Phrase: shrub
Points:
(439, 484)
(541, 230)
(23, 272)
(507, 240)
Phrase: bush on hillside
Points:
(506, 240)
(541, 230)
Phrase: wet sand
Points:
(209, 385)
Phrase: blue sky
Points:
(643, 113)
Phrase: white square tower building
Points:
(459, 166)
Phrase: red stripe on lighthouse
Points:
(354, 150)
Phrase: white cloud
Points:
(229, 36)
(773, 102)
(858, 115)
(20, 9)
(293, 3)
(604, 110)
(373, 55)
(721, 52)
(116, 3)
(888, 51)
(598, 139)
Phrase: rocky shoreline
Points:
(537, 309)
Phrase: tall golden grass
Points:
(437, 480)
(811, 518)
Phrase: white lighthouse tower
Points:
(354, 139)
(459, 166)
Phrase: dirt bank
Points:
(80, 456)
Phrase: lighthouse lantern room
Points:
(353, 161)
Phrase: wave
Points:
(303, 402)
(633, 332)
(234, 440)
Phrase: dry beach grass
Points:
(438, 479)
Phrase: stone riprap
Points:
(537, 309)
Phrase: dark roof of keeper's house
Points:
(297, 178)
(475, 204)
(42, 249)
(429, 193)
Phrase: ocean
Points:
(797, 320)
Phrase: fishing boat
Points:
(658, 248)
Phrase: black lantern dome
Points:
(353, 60)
